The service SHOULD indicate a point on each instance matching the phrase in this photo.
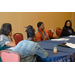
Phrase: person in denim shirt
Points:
(28, 49)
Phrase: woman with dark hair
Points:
(67, 29)
(6, 37)
(29, 49)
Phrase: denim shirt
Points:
(29, 51)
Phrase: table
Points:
(62, 52)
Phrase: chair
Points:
(9, 56)
(18, 37)
(50, 34)
(58, 31)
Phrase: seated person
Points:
(67, 29)
(28, 49)
(6, 37)
(42, 33)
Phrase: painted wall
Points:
(19, 20)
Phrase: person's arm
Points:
(40, 52)
(11, 43)
(52, 30)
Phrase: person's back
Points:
(28, 49)
(25, 49)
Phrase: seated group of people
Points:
(29, 49)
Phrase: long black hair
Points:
(30, 31)
(66, 23)
(6, 29)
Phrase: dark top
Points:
(67, 32)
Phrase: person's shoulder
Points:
(28, 41)
(45, 30)
(64, 28)
(72, 28)
(33, 42)
(3, 36)
(38, 34)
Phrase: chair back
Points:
(10, 56)
(18, 37)
(50, 34)
(58, 31)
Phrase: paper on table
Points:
(70, 45)
(61, 39)
(72, 36)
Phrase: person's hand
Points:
(11, 36)
(52, 30)
(45, 36)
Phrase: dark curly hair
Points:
(30, 31)
(39, 24)
(6, 29)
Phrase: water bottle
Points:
(55, 49)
